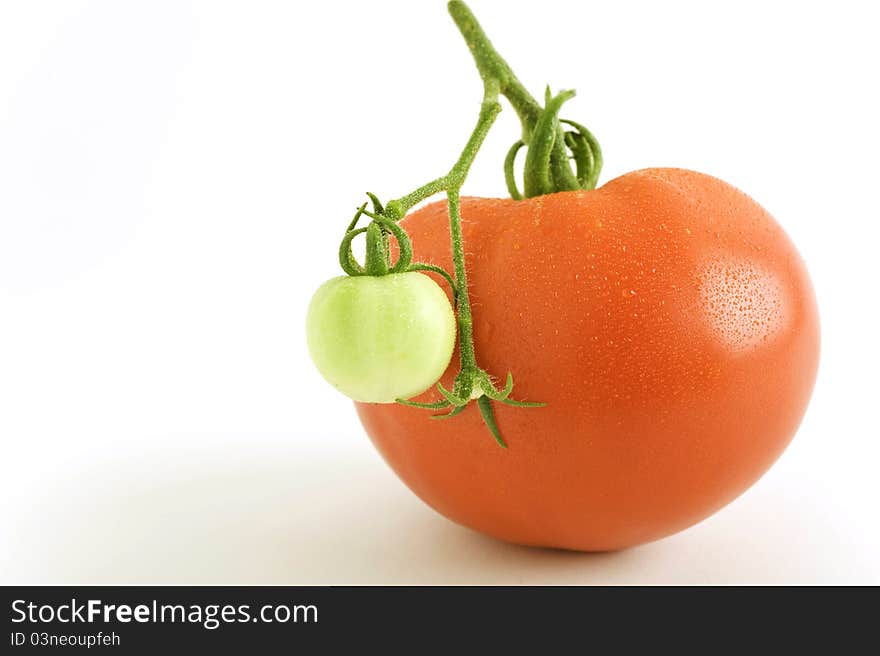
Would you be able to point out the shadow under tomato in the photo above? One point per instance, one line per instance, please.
(265, 509)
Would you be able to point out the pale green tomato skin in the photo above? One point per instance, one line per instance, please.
(381, 338)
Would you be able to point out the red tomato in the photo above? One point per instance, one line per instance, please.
(670, 326)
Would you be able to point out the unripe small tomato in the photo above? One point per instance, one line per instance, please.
(381, 338)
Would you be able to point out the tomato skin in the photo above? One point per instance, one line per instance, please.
(669, 324)
(381, 338)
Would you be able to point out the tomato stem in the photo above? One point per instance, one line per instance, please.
(547, 170)
(376, 261)
(465, 318)
(551, 172)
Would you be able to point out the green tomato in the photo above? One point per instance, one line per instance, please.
(381, 338)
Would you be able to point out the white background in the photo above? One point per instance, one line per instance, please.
(174, 180)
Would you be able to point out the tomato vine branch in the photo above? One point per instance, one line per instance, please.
(547, 170)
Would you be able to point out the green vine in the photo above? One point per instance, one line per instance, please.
(547, 170)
